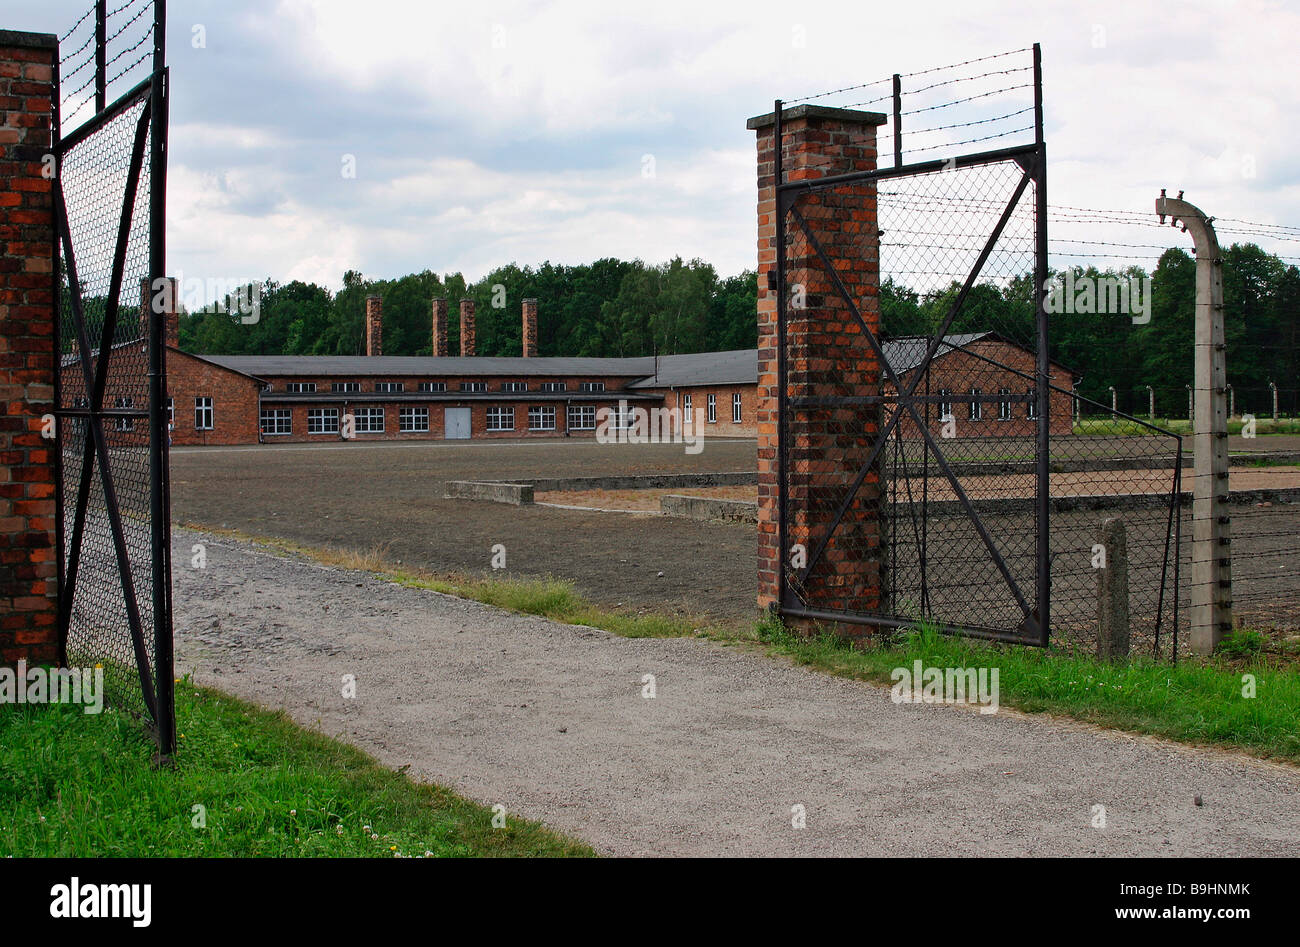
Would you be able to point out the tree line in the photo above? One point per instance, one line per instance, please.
(614, 307)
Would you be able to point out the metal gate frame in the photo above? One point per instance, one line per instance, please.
(152, 648)
(1032, 161)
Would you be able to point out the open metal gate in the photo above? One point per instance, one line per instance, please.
(921, 418)
(113, 510)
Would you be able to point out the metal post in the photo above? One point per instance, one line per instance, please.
(1151, 404)
(1273, 386)
(1211, 562)
(898, 120)
(101, 49)
(160, 500)
(1114, 401)
(1043, 372)
(1191, 403)
(1232, 402)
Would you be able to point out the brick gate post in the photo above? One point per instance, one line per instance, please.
(28, 571)
(826, 354)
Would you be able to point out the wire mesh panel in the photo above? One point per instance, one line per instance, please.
(114, 570)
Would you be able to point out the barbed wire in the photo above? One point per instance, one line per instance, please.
(909, 75)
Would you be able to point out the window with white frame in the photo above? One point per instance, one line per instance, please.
(344, 387)
(171, 412)
(713, 409)
(369, 420)
(976, 408)
(736, 410)
(322, 420)
(514, 386)
(412, 420)
(277, 421)
(592, 386)
(619, 420)
(269, 386)
(945, 404)
(553, 386)
(203, 414)
(124, 424)
(389, 387)
(473, 386)
(1031, 406)
(428, 387)
(300, 387)
(1004, 404)
(582, 417)
(541, 417)
(686, 408)
(500, 419)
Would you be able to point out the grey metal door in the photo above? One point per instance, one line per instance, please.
(456, 424)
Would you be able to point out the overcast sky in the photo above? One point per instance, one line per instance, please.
(491, 132)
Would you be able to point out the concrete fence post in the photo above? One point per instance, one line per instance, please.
(1112, 591)
(1211, 591)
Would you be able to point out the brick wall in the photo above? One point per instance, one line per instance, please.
(234, 401)
(467, 327)
(528, 331)
(723, 426)
(827, 355)
(438, 327)
(374, 325)
(28, 572)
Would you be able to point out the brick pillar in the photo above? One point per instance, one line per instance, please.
(467, 327)
(439, 327)
(826, 355)
(28, 572)
(374, 325)
(529, 334)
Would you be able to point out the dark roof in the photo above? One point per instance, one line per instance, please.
(739, 367)
(906, 352)
(278, 365)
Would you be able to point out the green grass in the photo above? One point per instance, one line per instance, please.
(1105, 426)
(1198, 702)
(75, 784)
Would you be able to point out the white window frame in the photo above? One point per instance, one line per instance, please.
(410, 419)
(554, 386)
(686, 408)
(389, 387)
(270, 418)
(473, 386)
(582, 417)
(1004, 404)
(514, 386)
(322, 420)
(430, 387)
(945, 406)
(123, 424)
(737, 408)
(1031, 406)
(364, 419)
(712, 403)
(591, 386)
(976, 406)
(301, 387)
(204, 406)
(345, 387)
(541, 417)
(497, 415)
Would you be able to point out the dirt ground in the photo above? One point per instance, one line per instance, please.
(363, 496)
(641, 501)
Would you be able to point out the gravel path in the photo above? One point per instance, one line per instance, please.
(549, 720)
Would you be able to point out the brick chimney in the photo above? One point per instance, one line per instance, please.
(374, 325)
(439, 328)
(165, 301)
(467, 327)
(530, 328)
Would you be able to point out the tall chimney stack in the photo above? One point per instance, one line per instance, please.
(467, 327)
(439, 329)
(374, 325)
(530, 328)
(167, 309)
